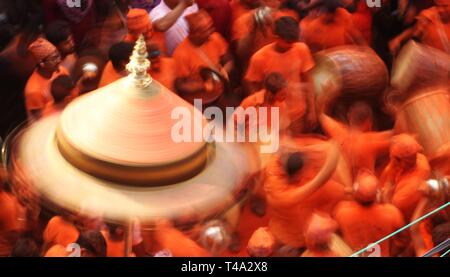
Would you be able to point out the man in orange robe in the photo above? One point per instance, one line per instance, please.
(432, 28)
(334, 27)
(406, 171)
(202, 49)
(119, 55)
(37, 89)
(162, 68)
(294, 193)
(364, 221)
(360, 145)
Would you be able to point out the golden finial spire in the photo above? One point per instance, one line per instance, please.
(139, 64)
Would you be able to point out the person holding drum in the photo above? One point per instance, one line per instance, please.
(202, 60)
(432, 28)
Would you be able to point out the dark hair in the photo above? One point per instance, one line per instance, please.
(331, 5)
(274, 82)
(119, 53)
(287, 28)
(94, 242)
(294, 163)
(25, 247)
(61, 87)
(57, 32)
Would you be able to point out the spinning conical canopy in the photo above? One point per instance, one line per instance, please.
(123, 132)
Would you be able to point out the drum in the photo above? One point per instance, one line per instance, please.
(419, 66)
(427, 116)
(350, 72)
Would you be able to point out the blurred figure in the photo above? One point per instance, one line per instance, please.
(261, 244)
(432, 28)
(203, 48)
(360, 145)
(63, 91)
(291, 59)
(60, 230)
(241, 7)
(319, 237)
(37, 93)
(115, 240)
(92, 244)
(404, 174)
(334, 27)
(60, 35)
(162, 69)
(220, 12)
(12, 217)
(364, 221)
(293, 193)
(25, 248)
(168, 17)
(119, 57)
(139, 24)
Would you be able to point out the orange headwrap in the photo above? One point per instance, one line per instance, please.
(404, 146)
(42, 49)
(367, 186)
(198, 20)
(319, 230)
(261, 244)
(139, 23)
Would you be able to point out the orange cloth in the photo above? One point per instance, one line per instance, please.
(60, 231)
(290, 64)
(432, 23)
(320, 35)
(139, 23)
(114, 248)
(237, 9)
(406, 194)
(37, 90)
(188, 61)
(109, 75)
(289, 221)
(12, 219)
(363, 225)
(360, 149)
(244, 25)
(178, 243)
(42, 49)
(166, 74)
(362, 20)
(56, 251)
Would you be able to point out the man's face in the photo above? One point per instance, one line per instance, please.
(202, 31)
(68, 46)
(52, 62)
(405, 163)
(443, 7)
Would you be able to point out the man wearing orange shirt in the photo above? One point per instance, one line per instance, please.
(406, 171)
(203, 48)
(37, 93)
(60, 230)
(294, 193)
(119, 57)
(364, 221)
(162, 69)
(432, 28)
(361, 146)
(291, 59)
(333, 27)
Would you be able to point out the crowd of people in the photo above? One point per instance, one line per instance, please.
(255, 53)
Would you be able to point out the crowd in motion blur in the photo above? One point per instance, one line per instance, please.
(364, 101)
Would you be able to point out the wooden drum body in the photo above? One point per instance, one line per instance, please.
(427, 116)
(352, 72)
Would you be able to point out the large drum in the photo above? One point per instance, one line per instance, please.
(352, 72)
(428, 116)
(419, 66)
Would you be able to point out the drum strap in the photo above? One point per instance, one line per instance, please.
(444, 39)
